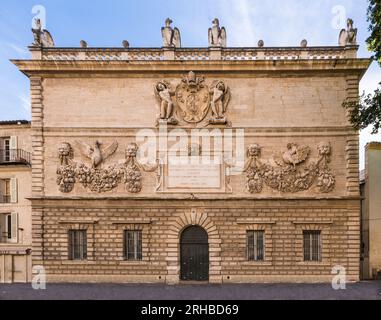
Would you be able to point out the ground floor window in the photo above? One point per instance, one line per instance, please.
(133, 245)
(77, 245)
(312, 247)
(255, 245)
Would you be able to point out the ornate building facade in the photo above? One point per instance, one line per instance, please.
(173, 164)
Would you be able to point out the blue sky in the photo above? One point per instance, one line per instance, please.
(107, 23)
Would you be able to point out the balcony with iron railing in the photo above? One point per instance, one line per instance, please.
(15, 156)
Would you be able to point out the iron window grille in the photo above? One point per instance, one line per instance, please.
(77, 245)
(133, 245)
(255, 245)
(312, 245)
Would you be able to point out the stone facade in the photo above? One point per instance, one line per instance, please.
(15, 249)
(90, 105)
(370, 213)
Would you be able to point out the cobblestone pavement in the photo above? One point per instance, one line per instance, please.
(364, 290)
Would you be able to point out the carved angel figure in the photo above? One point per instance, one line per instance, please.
(171, 37)
(97, 154)
(65, 153)
(42, 37)
(164, 94)
(217, 35)
(324, 151)
(220, 99)
(349, 36)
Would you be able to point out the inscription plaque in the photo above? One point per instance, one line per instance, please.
(194, 176)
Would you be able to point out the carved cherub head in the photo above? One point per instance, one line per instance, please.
(132, 150)
(220, 86)
(65, 150)
(254, 150)
(324, 149)
(161, 86)
(65, 153)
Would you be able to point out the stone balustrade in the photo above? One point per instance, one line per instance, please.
(193, 54)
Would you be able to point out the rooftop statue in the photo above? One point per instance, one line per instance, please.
(349, 36)
(83, 44)
(217, 35)
(42, 37)
(171, 37)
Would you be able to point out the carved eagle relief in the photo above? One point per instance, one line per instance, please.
(97, 154)
(293, 156)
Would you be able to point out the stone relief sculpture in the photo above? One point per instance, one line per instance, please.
(42, 37)
(65, 154)
(349, 36)
(164, 93)
(132, 169)
(217, 35)
(284, 174)
(192, 97)
(96, 154)
(100, 179)
(294, 155)
(220, 94)
(192, 101)
(66, 172)
(171, 37)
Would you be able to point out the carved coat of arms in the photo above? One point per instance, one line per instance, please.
(193, 99)
(193, 102)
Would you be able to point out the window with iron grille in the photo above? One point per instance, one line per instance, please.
(133, 245)
(255, 245)
(312, 246)
(77, 245)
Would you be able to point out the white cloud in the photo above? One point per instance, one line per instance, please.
(20, 50)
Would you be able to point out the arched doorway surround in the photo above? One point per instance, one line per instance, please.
(193, 217)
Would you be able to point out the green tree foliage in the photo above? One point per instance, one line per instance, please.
(374, 18)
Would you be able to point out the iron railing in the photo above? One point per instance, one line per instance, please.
(15, 156)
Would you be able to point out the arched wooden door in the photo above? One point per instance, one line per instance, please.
(194, 254)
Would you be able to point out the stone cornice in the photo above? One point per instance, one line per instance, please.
(188, 200)
(52, 67)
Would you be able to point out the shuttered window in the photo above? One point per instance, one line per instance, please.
(312, 245)
(9, 228)
(5, 190)
(255, 245)
(133, 245)
(77, 245)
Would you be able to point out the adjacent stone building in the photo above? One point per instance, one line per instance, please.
(370, 212)
(267, 186)
(15, 209)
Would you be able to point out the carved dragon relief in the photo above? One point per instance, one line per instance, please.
(99, 179)
(192, 101)
(283, 173)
